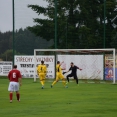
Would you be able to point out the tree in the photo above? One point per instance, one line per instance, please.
(80, 23)
(5, 41)
(26, 42)
(114, 40)
(8, 55)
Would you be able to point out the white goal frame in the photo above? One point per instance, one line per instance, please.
(79, 51)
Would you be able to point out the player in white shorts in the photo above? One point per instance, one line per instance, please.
(15, 81)
(13, 86)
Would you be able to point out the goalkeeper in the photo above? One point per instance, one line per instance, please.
(41, 71)
(73, 73)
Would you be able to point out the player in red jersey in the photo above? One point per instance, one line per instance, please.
(15, 80)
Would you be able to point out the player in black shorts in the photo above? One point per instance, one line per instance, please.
(73, 73)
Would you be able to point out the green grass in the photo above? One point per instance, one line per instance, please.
(85, 100)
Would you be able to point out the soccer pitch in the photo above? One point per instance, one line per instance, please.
(85, 100)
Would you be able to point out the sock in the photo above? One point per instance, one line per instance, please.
(42, 83)
(64, 82)
(77, 81)
(11, 96)
(67, 79)
(18, 96)
(54, 82)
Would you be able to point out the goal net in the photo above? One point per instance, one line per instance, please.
(97, 64)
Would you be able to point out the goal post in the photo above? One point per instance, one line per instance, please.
(97, 64)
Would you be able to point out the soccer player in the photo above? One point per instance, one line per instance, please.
(41, 71)
(15, 80)
(59, 75)
(73, 73)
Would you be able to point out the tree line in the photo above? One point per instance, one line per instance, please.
(24, 43)
(81, 24)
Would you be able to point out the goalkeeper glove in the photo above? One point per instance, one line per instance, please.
(64, 73)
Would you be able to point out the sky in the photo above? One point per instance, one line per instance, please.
(23, 15)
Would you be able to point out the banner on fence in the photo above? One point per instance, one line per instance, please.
(5, 67)
(26, 65)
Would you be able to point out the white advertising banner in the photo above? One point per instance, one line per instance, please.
(91, 65)
(5, 67)
(26, 65)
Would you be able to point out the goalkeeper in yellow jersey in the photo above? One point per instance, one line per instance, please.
(41, 71)
(59, 75)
